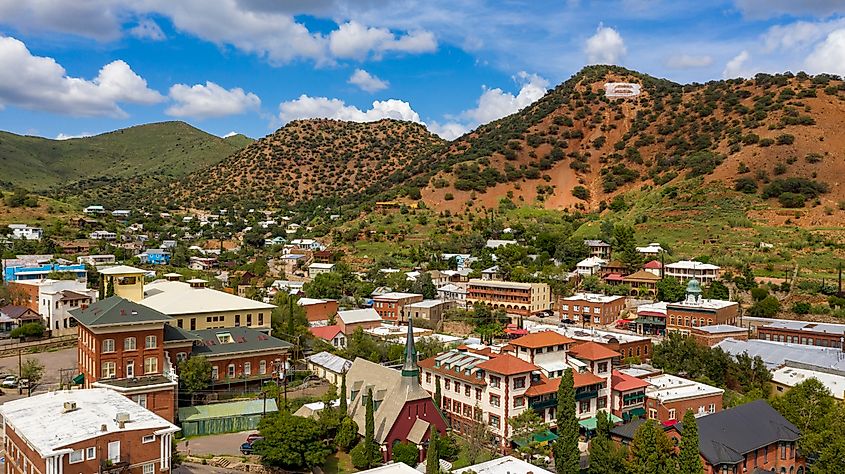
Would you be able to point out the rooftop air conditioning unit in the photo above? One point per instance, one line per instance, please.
(122, 417)
(69, 406)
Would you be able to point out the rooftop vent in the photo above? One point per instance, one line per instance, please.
(122, 418)
(104, 428)
(69, 406)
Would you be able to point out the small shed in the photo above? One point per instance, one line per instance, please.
(227, 417)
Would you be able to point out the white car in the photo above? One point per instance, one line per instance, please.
(11, 381)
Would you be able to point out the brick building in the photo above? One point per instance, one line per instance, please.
(590, 309)
(430, 310)
(627, 396)
(798, 332)
(696, 311)
(239, 355)
(87, 431)
(711, 335)
(668, 397)
(390, 305)
(523, 299)
(350, 320)
(54, 299)
(318, 309)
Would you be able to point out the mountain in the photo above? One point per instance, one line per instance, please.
(315, 160)
(167, 149)
(577, 148)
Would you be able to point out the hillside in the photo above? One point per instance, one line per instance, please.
(316, 161)
(168, 149)
(576, 148)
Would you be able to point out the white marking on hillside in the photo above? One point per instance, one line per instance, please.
(621, 89)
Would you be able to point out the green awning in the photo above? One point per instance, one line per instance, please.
(543, 437)
(637, 412)
(590, 423)
(79, 379)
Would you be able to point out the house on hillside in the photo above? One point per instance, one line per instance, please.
(25, 232)
(598, 248)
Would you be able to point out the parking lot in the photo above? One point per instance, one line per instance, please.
(52, 361)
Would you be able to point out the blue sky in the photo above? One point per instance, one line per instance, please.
(250, 66)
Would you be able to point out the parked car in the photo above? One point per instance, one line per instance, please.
(11, 381)
(253, 438)
(568, 321)
(246, 449)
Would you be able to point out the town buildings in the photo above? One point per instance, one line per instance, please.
(328, 366)
(390, 305)
(628, 396)
(523, 299)
(668, 397)
(317, 310)
(429, 310)
(13, 316)
(590, 266)
(239, 355)
(798, 332)
(25, 232)
(690, 269)
(598, 248)
(711, 335)
(643, 282)
(54, 299)
(453, 292)
(332, 334)
(38, 267)
(696, 311)
(350, 320)
(127, 282)
(589, 309)
(87, 431)
(794, 373)
(317, 268)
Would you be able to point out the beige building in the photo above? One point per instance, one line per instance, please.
(431, 310)
(128, 282)
(513, 297)
(196, 307)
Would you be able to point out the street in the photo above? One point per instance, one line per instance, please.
(53, 361)
(223, 444)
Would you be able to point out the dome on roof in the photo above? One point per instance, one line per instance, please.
(693, 286)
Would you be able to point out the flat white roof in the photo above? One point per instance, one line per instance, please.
(395, 468)
(792, 376)
(500, 284)
(427, 304)
(692, 265)
(396, 295)
(358, 315)
(591, 262)
(309, 301)
(176, 297)
(721, 328)
(120, 270)
(503, 465)
(704, 303)
(41, 422)
(807, 326)
(324, 266)
(593, 298)
(666, 388)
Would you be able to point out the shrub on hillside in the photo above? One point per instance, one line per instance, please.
(791, 200)
(746, 185)
(581, 193)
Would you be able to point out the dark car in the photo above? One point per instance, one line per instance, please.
(568, 321)
(246, 449)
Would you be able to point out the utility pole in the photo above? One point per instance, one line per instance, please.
(277, 366)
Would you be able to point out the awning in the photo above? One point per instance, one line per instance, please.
(590, 423)
(542, 438)
(628, 415)
(79, 379)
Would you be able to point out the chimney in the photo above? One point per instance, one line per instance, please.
(69, 406)
(122, 418)
(103, 428)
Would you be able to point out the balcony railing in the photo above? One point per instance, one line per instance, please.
(633, 397)
(586, 394)
(543, 404)
(119, 466)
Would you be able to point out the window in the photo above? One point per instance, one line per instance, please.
(193, 324)
(249, 320)
(179, 322)
(108, 345)
(129, 344)
(783, 450)
(230, 371)
(447, 383)
(237, 320)
(495, 382)
(466, 390)
(90, 453)
(215, 374)
(495, 400)
(602, 402)
(519, 382)
(247, 368)
(150, 342)
(652, 414)
(711, 408)
(457, 387)
(130, 369)
(108, 370)
(494, 421)
(262, 367)
(671, 413)
(478, 394)
(565, 307)
(151, 365)
(261, 319)
(78, 455)
(603, 367)
(149, 468)
(140, 399)
(518, 402)
(447, 404)
(148, 438)
(583, 406)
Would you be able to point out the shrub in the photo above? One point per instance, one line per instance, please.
(759, 294)
(806, 187)
(780, 169)
(29, 330)
(791, 200)
(746, 185)
(767, 142)
(813, 158)
(407, 453)
(785, 139)
(581, 193)
(449, 196)
(801, 307)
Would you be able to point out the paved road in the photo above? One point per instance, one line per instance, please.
(222, 444)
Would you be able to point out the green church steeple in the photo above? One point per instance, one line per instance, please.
(409, 365)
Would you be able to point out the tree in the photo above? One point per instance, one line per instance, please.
(671, 290)
(432, 458)
(424, 286)
(689, 460)
(809, 406)
(407, 453)
(525, 428)
(717, 291)
(765, 308)
(110, 287)
(567, 455)
(342, 406)
(28, 330)
(194, 375)
(32, 370)
(325, 285)
(605, 456)
(438, 396)
(651, 450)
(102, 289)
(291, 442)
(347, 434)
(625, 246)
(371, 449)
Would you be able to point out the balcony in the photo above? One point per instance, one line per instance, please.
(633, 397)
(120, 466)
(586, 394)
(543, 404)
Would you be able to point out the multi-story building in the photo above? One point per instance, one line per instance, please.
(752, 437)
(627, 396)
(38, 267)
(590, 309)
(95, 260)
(627, 345)
(239, 355)
(317, 310)
(87, 431)
(127, 282)
(545, 349)
(590, 266)
(317, 268)
(711, 335)
(390, 305)
(453, 292)
(54, 299)
(598, 248)
(350, 320)
(798, 332)
(696, 311)
(668, 397)
(430, 310)
(690, 269)
(643, 282)
(25, 232)
(523, 299)
(196, 307)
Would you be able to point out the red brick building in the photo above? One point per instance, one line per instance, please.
(240, 355)
(318, 310)
(696, 311)
(589, 309)
(798, 332)
(711, 335)
(86, 431)
(668, 397)
(389, 305)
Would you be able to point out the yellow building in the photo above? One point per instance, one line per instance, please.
(128, 282)
(513, 297)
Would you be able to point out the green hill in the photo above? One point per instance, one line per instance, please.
(164, 150)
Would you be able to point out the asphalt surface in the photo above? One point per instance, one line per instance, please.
(52, 361)
(228, 444)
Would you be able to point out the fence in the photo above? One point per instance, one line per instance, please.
(12, 348)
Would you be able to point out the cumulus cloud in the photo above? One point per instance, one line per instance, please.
(605, 47)
(89, 19)
(367, 82)
(353, 40)
(688, 61)
(449, 130)
(230, 134)
(799, 34)
(322, 107)
(147, 29)
(62, 136)
(210, 100)
(736, 67)
(40, 83)
(829, 55)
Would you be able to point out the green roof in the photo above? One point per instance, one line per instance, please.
(234, 340)
(224, 410)
(175, 333)
(543, 437)
(590, 423)
(115, 310)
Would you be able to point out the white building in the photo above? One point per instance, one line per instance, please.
(103, 235)
(25, 232)
(317, 268)
(56, 298)
(688, 269)
(669, 389)
(496, 243)
(95, 260)
(123, 213)
(307, 244)
(453, 292)
(94, 210)
(502, 465)
(794, 373)
(590, 266)
(651, 250)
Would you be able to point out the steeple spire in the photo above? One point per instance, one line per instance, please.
(409, 365)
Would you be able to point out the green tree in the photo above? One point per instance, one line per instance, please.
(325, 285)
(525, 428)
(194, 375)
(438, 394)
(766, 308)
(811, 408)
(689, 460)
(407, 453)
(291, 442)
(110, 287)
(32, 370)
(28, 330)
(605, 456)
(424, 286)
(101, 293)
(671, 290)
(432, 458)
(371, 448)
(717, 291)
(347, 434)
(342, 406)
(625, 246)
(567, 455)
(651, 450)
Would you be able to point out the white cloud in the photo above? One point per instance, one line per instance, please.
(448, 130)
(231, 134)
(688, 61)
(147, 29)
(89, 19)
(605, 47)
(829, 55)
(355, 41)
(367, 82)
(37, 82)
(62, 136)
(210, 100)
(773, 8)
(736, 67)
(322, 107)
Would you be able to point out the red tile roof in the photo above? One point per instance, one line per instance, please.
(613, 277)
(653, 265)
(325, 332)
(547, 385)
(582, 379)
(623, 382)
(593, 351)
(507, 364)
(541, 339)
